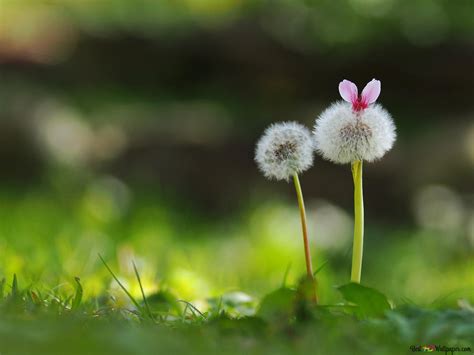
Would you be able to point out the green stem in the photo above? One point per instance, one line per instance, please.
(358, 246)
(307, 254)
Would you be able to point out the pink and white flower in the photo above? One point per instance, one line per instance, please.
(360, 130)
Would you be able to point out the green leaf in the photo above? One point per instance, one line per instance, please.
(278, 305)
(369, 301)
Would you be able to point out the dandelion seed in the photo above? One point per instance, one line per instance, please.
(285, 149)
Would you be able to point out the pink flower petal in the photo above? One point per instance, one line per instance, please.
(348, 91)
(371, 91)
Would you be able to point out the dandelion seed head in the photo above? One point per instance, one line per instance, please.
(343, 135)
(284, 149)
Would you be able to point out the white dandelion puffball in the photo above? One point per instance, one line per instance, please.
(345, 133)
(284, 149)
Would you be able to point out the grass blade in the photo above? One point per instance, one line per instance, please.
(145, 301)
(134, 301)
(320, 268)
(15, 290)
(78, 296)
(285, 276)
(193, 308)
(2, 288)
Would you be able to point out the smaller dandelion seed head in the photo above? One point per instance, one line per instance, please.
(284, 149)
(343, 135)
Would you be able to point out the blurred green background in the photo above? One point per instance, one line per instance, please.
(127, 128)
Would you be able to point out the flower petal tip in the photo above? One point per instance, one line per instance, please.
(371, 91)
(348, 91)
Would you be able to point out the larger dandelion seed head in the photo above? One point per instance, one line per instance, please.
(356, 129)
(283, 150)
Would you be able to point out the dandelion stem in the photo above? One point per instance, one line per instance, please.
(307, 254)
(358, 246)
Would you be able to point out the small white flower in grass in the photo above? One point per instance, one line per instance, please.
(285, 149)
(345, 133)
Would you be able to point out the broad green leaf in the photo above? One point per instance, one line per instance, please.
(369, 301)
(278, 305)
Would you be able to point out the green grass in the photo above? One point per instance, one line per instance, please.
(172, 281)
(283, 322)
